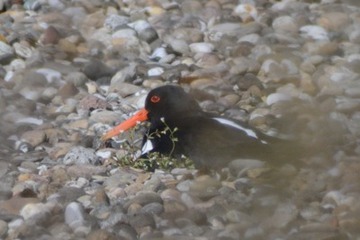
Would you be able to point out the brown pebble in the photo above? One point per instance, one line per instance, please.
(50, 36)
(68, 90)
(100, 234)
(34, 137)
(15, 204)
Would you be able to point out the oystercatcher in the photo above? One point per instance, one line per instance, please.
(178, 126)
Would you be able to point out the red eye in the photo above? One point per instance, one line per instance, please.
(155, 99)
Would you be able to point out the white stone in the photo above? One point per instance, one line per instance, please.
(124, 33)
(22, 50)
(251, 38)
(103, 154)
(74, 215)
(315, 32)
(50, 74)
(277, 97)
(5, 49)
(30, 120)
(17, 64)
(139, 25)
(158, 53)
(246, 12)
(32, 209)
(113, 21)
(201, 47)
(156, 71)
(285, 24)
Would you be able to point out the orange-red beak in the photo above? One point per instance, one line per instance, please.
(140, 116)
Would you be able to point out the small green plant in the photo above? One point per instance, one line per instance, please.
(159, 161)
(165, 131)
(154, 160)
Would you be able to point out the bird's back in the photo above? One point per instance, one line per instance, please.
(212, 143)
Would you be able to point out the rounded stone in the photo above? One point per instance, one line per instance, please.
(205, 187)
(74, 215)
(285, 24)
(3, 228)
(201, 47)
(80, 155)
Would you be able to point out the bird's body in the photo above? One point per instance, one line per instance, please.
(205, 140)
(178, 126)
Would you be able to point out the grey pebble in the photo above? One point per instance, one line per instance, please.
(80, 155)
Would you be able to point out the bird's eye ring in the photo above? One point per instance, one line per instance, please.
(155, 99)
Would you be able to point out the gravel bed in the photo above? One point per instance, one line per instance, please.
(70, 70)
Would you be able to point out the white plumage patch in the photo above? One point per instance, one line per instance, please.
(230, 123)
(147, 147)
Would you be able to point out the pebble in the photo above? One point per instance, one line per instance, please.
(156, 71)
(32, 210)
(285, 24)
(5, 50)
(34, 137)
(239, 166)
(3, 228)
(79, 156)
(68, 90)
(314, 32)
(23, 49)
(104, 116)
(50, 36)
(124, 89)
(96, 69)
(74, 216)
(145, 31)
(85, 170)
(145, 198)
(246, 12)
(334, 21)
(15, 204)
(283, 215)
(201, 47)
(115, 21)
(204, 187)
(277, 97)
(177, 45)
(3, 168)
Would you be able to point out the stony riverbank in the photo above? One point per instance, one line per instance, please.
(69, 70)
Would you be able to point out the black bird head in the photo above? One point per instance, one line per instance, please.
(170, 102)
(165, 102)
